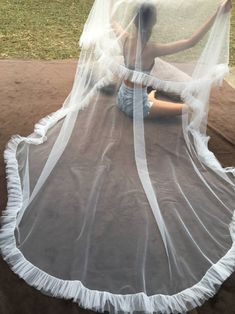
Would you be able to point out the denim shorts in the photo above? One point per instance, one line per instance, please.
(125, 100)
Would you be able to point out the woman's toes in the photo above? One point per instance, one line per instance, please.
(151, 95)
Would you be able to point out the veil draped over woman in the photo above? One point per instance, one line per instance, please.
(114, 209)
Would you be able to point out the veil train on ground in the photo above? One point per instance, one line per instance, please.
(115, 200)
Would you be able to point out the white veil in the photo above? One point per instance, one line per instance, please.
(128, 213)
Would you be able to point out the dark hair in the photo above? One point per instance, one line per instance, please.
(145, 19)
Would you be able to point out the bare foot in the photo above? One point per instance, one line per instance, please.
(151, 95)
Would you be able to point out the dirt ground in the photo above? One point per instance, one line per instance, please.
(29, 90)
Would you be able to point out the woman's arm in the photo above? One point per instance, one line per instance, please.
(117, 28)
(119, 31)
(171, 48)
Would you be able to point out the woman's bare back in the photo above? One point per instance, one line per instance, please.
(130, 51)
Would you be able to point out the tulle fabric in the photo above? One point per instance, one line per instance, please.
(128, 215)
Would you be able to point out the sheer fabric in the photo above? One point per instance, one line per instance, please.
(128, 213)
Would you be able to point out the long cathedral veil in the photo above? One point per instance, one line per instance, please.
(128, 213)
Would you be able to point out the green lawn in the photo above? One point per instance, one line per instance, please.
(33, 29)
(41, 29)
(232, 37)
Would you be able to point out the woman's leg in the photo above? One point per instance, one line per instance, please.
(162, 108)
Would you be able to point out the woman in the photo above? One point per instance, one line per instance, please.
(144, 21)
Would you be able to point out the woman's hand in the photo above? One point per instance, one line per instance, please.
(225, 6)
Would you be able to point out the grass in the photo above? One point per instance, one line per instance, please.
(40, 29)
(232, 37)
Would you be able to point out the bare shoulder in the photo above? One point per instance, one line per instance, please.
(154, 50)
